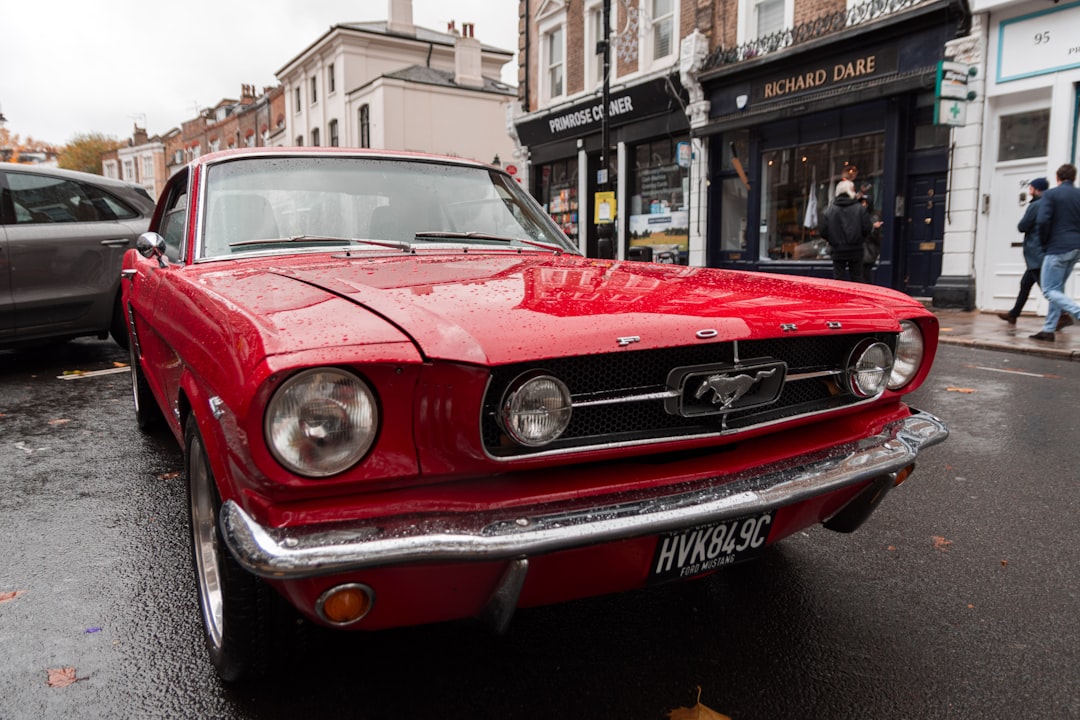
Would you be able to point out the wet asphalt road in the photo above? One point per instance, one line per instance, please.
(960, 598)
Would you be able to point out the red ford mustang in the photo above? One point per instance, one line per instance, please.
(405, 398)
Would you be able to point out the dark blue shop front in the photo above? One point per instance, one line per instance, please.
(853, 104)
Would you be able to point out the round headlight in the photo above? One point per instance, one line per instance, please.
(869, 368)
(536, 409)
(909, 355)
(321, 422)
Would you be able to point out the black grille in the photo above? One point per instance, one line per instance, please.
(646, 371)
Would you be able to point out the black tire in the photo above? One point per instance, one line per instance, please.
(236, 606)
(147, 413)
(118, 327)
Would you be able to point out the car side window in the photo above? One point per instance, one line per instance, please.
(173, 223)
(45, 199)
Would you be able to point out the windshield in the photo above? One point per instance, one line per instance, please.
(281, 204)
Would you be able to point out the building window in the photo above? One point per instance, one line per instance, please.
(333, 132)
(298, 102)
(365, 126)
(315, 137)
(331, 83)
(659, 219)
(129, 171)
(594, 58)
(761, 18)
(148, 167)
(553, 45)
(314, 89)
(1023, 135)
(798, 183)
(663, 28)
(299, 141)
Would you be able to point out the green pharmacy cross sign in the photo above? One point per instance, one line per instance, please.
(951, 93)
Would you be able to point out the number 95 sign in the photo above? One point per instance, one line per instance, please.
(1040, 43)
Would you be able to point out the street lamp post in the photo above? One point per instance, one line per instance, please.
(605, 244)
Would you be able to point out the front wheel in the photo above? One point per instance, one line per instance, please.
(235, 604)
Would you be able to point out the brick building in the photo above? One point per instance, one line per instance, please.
(729, 123)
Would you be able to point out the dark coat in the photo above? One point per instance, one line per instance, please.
(1033, 249)
(846, 226)
(1059, 219)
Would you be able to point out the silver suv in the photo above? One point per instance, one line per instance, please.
(63, 235)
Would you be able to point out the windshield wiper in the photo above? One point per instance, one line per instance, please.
(435, 234)
(396, 244)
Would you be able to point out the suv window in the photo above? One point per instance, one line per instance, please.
(46, 199)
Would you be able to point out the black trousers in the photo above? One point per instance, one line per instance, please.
(1027, 281)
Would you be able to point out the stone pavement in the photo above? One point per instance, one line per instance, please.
(987, 331)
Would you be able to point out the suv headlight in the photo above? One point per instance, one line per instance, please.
(910, 351)
(321, 422)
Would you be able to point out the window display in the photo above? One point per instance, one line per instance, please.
(559, 194)
(798, 184)
(659, 217)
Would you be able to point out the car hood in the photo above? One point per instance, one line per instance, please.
(497, 308)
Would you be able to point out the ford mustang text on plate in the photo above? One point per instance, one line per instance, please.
(404, 397)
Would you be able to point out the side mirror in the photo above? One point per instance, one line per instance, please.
(151, 245)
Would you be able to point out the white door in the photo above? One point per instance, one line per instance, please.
(1004, 252)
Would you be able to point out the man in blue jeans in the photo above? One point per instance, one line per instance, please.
(1059, 230)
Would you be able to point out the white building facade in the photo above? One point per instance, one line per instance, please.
(1028, 56)
(393, 85)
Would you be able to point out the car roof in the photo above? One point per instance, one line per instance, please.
(67, 174)
(377, 154)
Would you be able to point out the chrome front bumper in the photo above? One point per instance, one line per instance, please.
(293, 553)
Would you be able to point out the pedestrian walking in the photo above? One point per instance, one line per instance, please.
(872, 249)
(1033, 249)
(846, 227)
(1059, 229)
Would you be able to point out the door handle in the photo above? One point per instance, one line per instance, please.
(117, 242)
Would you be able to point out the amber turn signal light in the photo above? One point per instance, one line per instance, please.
(902, 475)
(345, 604)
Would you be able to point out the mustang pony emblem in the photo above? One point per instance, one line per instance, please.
(727, 389)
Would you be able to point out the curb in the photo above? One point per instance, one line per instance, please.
(1072, 355)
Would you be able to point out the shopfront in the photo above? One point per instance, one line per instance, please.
(854, 104)
(647, 171)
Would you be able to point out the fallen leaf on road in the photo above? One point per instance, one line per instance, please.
(169, 475)
(62, 677)
(59, 421)
(1004, 563)
(698, 712)
(5, 596)
(119, 364)
(966, 391)
(941, 543)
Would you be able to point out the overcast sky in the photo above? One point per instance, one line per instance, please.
(69, 68)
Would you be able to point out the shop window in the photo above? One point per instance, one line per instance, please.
(659, 217)
(797, 185)
(1023, 135)
(559, 194)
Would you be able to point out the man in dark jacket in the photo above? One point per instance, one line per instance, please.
(1059, 230)
(1033, 249)
(846, 226)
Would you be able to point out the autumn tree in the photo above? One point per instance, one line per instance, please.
(12, 147)
(85, 150)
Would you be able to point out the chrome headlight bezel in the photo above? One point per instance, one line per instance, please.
(535, 409)
(910, 354)
(868, 368)
(321, 422)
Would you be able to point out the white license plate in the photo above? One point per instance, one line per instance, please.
(706, 548)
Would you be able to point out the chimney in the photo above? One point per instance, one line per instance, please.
(467, 58)
(399, 14)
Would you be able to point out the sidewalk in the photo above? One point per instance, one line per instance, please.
(987, 331)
